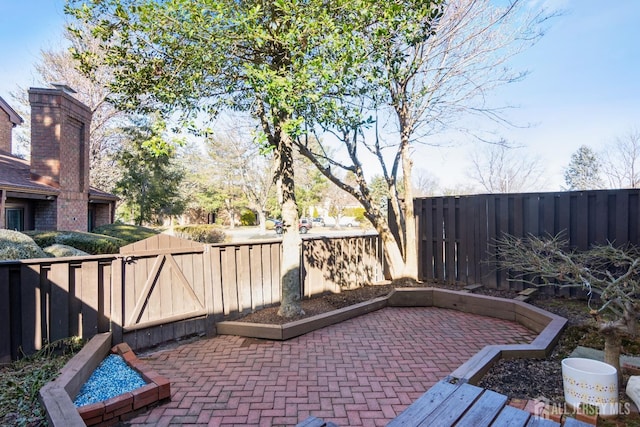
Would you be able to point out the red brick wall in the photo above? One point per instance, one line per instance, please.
(73, 211)
(103, 214)
(5, 131)
(60, 152)
(46, 215)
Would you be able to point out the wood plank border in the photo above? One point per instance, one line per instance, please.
(548, 325)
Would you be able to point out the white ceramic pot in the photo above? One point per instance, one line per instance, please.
(592, 382)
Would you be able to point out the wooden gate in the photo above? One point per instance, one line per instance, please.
(163, 289)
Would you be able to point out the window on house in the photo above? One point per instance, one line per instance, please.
(14, 219)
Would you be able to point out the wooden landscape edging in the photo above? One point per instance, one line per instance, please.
(298, 327)
(57, 396)
(547, 325)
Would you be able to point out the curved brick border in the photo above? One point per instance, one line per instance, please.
(57, 396)
(547, 325)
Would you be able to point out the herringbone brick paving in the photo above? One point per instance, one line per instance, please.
(361, 372)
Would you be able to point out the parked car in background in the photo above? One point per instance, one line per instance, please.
(273, 223)
(348, 221)
(345, 221)
(318, 221)
(304, 225)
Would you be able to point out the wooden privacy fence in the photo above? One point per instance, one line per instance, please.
(164, 288)
(456, 235)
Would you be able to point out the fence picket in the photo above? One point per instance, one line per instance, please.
(49, 299)
(584, 218)
(5, 316)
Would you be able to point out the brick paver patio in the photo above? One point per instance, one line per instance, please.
(361, 372)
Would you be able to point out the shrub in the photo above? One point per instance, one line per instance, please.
(16, 245)
(248, 218)
(357, 213)
(21, 382)
(270, 224)
(57, 250)
(204, 233)
(43, 238)
(91, 243)
(128, 233)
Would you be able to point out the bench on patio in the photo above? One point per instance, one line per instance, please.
(462, 404)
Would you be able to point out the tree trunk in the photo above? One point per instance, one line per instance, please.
(394, 202)
(230, 214)
(410, 243)
(262, 221)
(612, 344)
(392, 254)
(290, 304)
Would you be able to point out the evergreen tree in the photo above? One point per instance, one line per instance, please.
(150, 182)
(583, 172)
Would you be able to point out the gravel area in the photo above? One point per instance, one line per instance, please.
(111, 378)
(542, 378)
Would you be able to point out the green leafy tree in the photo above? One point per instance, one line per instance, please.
(311, 187)
(199, 191)
(227, 174)
(242, 171)
(583, 171)
(300, 66)
(379, 193)
(185, 57)
(150, 182)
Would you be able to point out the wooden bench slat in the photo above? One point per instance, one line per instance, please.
(453, 407)
(486, 408)
(511, 417)
(541, 422)
(425, 404)
(572, 422)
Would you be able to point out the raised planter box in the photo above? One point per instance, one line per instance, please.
(57, 396)
(299, 327)
(547, 325)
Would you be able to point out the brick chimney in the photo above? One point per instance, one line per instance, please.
(60, 151)
(8, 120)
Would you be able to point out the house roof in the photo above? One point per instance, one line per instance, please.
(15, 176)
(99, 195)
(13, 116)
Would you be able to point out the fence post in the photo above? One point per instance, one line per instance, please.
(117, 298)
(31, 308)
(207, 265)
(5, 315)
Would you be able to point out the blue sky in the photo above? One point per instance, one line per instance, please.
(26, 26)
(584, 86)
